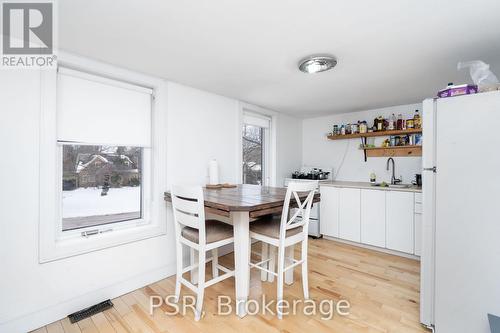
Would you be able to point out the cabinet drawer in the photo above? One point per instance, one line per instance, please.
(418, 208)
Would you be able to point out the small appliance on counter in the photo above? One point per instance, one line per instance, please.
(308, 174)
(311, 173)
(418, 179)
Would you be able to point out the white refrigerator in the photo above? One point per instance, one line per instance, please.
(460, 261)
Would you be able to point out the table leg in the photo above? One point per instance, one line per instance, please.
(241, 254)
(289, 273)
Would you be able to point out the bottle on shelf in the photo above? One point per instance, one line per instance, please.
(392, 123)
(417, 121)
(399, 123)
(380, 123)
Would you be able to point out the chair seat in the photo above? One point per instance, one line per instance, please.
(214, 231)
(269, 226)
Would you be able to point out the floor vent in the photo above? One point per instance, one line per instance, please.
(90, 311)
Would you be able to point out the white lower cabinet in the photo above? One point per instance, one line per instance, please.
(382, 218)
(350, 214)
(399, 221)
(418, 234)
(329, 211)
(373, 217)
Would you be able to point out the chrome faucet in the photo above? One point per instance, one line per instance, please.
(394, 180)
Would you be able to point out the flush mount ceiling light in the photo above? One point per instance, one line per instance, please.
(317, 63)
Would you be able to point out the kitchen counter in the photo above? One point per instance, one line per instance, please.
(367, 185)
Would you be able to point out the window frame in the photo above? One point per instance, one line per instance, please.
(269, 142)
(55, 244)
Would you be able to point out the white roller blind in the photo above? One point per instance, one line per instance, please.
(256, 120)
(98, 110)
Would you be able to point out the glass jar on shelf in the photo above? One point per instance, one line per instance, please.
(363, 127)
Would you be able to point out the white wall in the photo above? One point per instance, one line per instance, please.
(201, 126)
(289, 147)
(317, 150)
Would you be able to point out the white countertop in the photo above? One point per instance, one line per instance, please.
(367, 185)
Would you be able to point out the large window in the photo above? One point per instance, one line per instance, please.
(100, 185)
(104, 135)
(102, 157)
(255, 149)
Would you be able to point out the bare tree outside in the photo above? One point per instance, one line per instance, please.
(253, 154)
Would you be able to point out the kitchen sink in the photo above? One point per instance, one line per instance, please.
(400, 185)
(392, 185)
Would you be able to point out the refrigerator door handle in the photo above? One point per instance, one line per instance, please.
(433, 169)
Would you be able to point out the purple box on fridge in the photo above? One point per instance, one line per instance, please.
(451, 90)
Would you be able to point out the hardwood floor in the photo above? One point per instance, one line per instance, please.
(383, 291)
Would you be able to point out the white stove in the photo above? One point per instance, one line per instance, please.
(314, 218)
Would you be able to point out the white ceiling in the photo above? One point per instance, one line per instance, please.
(390, 52)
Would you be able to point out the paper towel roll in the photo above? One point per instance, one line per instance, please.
(213, 172)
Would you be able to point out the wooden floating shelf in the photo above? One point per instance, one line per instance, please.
(384, 151)
(398, 151)
(373, 134)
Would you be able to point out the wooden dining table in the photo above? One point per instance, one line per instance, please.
(240, 206)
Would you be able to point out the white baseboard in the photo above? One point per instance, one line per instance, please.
(59, 311)
(375, 248)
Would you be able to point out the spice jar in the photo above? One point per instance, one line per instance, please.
(336, 130)
(354, 128)
(409, 123)
(363, 127)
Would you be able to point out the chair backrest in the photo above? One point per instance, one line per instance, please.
(300, 217)
(189, 209)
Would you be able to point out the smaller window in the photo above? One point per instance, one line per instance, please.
(255, 149)
(101, 185)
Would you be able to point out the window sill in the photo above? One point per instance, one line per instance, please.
(77, 245)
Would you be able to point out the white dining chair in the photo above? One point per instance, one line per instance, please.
(200, 235)
(285, 231)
